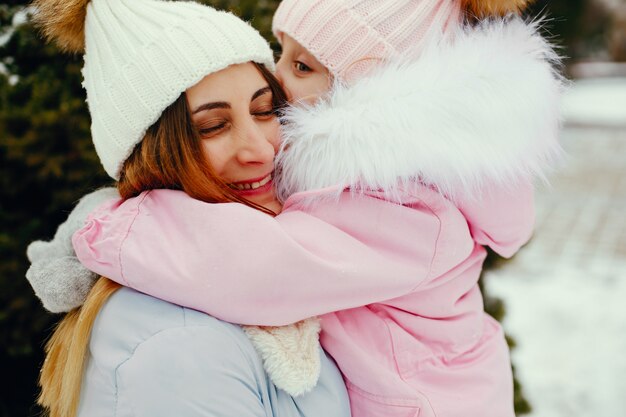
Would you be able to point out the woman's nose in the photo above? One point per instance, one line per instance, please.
(255, 146)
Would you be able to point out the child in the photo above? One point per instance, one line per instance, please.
(362, 136)
(452, 122)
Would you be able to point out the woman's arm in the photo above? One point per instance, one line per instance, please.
(242, 266)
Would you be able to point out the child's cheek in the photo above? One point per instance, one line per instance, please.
(310, 90)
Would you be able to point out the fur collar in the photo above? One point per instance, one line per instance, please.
(483, 108)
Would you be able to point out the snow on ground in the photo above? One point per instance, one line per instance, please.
(571, 332)
(597, 101)
(565, 292)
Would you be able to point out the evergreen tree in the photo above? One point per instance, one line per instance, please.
(47, 161)
(579, 27)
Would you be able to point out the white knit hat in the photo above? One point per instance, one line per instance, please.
(140, 55)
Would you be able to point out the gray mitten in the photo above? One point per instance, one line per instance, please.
(56, 275)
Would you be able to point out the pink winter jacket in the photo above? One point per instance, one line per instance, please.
(396, 284)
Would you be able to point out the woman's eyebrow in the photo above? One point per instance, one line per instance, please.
(225, 105)
(211, 106)
(260, 92)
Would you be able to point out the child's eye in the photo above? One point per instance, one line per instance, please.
(301, 67)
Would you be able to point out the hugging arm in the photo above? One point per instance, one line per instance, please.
(243, 266)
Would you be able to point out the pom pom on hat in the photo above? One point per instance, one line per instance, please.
(62, 22)
(489, 8)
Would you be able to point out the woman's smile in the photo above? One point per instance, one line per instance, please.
(254, 186)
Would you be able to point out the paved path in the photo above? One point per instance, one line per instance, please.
(565, 292)
(581, 216)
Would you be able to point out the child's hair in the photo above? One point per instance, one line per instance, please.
(169, 156)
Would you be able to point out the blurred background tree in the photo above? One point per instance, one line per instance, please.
(588, 30)
(48, 162)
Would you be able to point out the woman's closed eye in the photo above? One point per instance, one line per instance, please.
(211, 127)
(264, 112)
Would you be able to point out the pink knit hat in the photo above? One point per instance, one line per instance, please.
(349, 37)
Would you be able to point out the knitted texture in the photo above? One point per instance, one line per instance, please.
(58, 278)
(140, 55)
(349, 37)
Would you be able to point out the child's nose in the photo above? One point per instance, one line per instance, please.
(280, 76)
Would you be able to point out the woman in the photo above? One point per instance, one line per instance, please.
(160, 78)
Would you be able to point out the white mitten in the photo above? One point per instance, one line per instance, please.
(56, 275)
(291, 354)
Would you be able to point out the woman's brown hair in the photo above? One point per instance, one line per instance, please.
(169, 156)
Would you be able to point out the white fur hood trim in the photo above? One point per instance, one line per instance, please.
(483, 108)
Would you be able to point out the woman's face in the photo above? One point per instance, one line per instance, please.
(301, 75)
(233, 111)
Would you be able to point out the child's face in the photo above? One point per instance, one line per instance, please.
(301, 75)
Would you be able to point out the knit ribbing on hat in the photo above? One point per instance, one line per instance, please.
(349, 37)
(140, 55)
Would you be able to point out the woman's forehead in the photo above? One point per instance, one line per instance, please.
(236, 82)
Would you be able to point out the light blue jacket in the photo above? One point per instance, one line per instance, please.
(150, 358)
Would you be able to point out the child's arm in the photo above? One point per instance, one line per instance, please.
(243, 266)
(502, 218)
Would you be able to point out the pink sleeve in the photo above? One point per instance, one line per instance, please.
(503, 218)
(243, 266)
